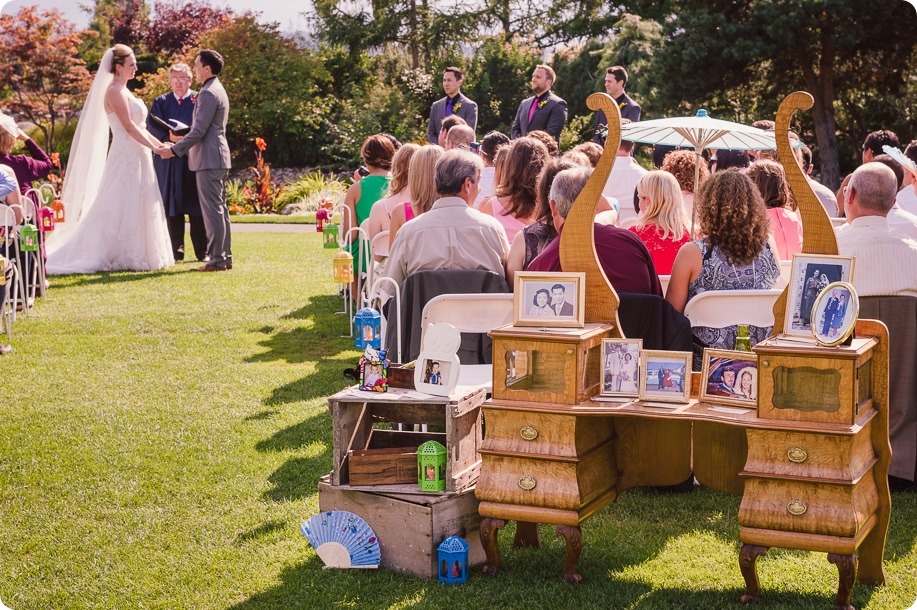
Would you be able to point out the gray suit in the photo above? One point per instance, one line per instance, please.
(468, 111)
(550, 116)
(208, 157)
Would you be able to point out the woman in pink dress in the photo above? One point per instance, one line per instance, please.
(514, 203)
(662, 223)
(422, 186)
(785, 225)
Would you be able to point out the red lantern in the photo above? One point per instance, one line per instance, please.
(45, 220)
(58, 206)
(321, 217)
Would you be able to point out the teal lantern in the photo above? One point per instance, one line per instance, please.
(367, 329)
(330, 235)
(431, 467)
(28, 238)
(452, 557)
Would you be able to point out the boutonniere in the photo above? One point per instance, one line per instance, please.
(543, 103)
(622, 105)
(193, 98)
(456, 106)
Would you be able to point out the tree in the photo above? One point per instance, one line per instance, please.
(177, 25)
(752, 52)
(124, 21)
(45, 78)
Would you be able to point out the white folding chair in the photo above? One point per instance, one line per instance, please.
(837, 222)
(722, 308)
(628, 223)
(10, 296)
(664, 280)
(9, 232)
(470, 313)
(786, 268)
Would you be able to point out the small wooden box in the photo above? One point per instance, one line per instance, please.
(409, 527)
(388, 466)
(549, 365)
(814, 383)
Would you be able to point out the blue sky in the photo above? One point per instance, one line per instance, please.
(285, 12)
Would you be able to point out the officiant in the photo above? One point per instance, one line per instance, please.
(176, 182)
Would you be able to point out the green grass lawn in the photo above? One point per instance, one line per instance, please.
(273, 219)
(163, 434)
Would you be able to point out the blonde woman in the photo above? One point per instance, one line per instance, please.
(398, 193)
(421, 186)
(662, 223)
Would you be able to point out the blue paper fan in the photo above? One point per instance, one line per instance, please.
(342, 540)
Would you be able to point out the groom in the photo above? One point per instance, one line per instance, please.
(208, 157)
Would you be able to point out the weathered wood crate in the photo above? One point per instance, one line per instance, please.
(359, 419)
(387, 466)
(410, 527)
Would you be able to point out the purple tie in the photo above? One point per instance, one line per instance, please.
(533, 109)
(449, 102)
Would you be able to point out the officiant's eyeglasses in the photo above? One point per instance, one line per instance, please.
(181, 77)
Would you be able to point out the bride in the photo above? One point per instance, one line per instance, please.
(115, 219)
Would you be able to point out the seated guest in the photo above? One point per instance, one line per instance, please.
(907, 194)
(514, 204)
(448, 123)
(897, 218)
(726, 159)
(626, 261)
(578, 158)
(398, 193)
(825, 195)
(545, 138)
(488, 151)
(785, 225)
(886, 259)
(591, 150)
(34, 166)
(460, 136)
(9, 192)
(422, 186)
(452, 235)
(872, 147)
(662, 223)
(734, 255)
(622, 181)
(680, 163)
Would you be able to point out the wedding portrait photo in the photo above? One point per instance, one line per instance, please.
(621, 372)
(834, 313)
(549, 299)
(810, 275)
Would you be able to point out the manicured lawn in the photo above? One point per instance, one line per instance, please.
(273, 219)
(163, 433)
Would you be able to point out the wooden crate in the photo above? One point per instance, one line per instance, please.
(388, 466)
(353, 416)
(410, 527)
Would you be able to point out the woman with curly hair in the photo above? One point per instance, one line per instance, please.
(770, 179)
(514, 203)
(680, 163)
(734, 255)
(662, 223)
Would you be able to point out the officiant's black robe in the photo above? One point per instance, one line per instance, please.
(176, 182)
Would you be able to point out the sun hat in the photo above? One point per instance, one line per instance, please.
(8, 124)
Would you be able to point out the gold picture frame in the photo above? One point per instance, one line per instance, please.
(544, 299)
(621, 367)
(665, 376)
(729, 378)
(804, 287)
(828, 329)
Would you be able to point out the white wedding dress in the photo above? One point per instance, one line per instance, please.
(124, 226)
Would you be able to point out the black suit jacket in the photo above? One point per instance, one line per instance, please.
(629, 110)
(468, 111)
(550, 116)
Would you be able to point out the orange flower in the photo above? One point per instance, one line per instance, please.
(260, 143)
(55, 159)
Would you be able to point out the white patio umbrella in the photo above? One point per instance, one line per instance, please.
(699, 132)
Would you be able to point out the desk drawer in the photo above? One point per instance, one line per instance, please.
(798, 454)
(544, 433)
(812, 508)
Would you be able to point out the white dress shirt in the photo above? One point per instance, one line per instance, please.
(452, 235)
(622, 182)
(825, 196)
(907, 199)
(886, 259)
(485, 187)
(900, 220)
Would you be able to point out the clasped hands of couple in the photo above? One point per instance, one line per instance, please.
(165, 149)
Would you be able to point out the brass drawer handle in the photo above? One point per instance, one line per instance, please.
(797, 455)
(796, 507)
(569, 352)
(528, 433)
(527, 482)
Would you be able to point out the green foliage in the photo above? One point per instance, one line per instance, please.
(577, 130)
(579, 75)
(309, 189)
(633, 46)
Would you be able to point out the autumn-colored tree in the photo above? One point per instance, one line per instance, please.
(122, 21)
(177, 24)
(45, 78)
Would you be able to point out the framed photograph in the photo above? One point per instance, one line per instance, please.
(665, 376)
(373, 375)
(810, 274)
(621, 367)
(549, 299)
(835, 313)
(437, 368)
(730, 378)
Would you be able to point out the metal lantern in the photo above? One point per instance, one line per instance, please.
(343, 267)
(452, 556)
(330, 235)
(28, 238)
(58, 206)
(431, 467)
(45, 220)
(321, 217)
(367, 329)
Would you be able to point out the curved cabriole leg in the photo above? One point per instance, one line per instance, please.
(574, 538)
(748, 555)
(489, 530)
(847, 573)
(527, 535)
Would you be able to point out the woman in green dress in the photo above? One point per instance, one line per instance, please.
(377, 153)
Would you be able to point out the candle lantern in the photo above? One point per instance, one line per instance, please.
(28, 238)
(45, 220)
(431, 467)
(367, 328)
(343, 267)
(58, 206)
(453, 561)
(330, 235)
(321, 217)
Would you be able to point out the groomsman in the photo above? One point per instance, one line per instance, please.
(453, 104)
(544, 111)
(176, 181)
(615, 81)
